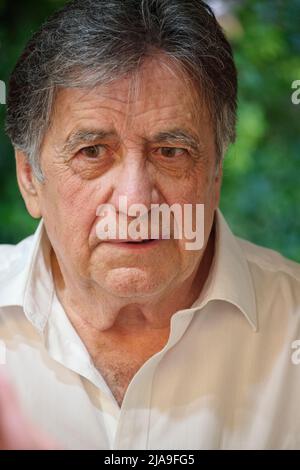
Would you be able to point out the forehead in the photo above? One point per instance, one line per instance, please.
(157, 92)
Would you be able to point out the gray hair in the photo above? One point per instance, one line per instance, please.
(92, 42)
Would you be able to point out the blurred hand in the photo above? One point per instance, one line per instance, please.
(16, 430)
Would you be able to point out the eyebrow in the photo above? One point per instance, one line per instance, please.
(180, 137)
(84, 136)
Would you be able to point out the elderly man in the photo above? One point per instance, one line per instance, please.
(138, 342)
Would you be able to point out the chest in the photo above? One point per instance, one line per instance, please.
(118, 371)
(118, 362)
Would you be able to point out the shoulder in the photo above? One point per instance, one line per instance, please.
(276, 282)
(14, 257)
(269, 261)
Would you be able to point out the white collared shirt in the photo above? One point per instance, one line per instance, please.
(228, 377)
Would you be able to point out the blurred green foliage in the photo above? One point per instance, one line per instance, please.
(261, 190)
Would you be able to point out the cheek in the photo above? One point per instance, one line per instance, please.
(70, 204)
(206, 185)
(201, 188)
(190, 190)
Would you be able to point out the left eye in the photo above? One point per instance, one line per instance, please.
(94, 151)
(171, 152)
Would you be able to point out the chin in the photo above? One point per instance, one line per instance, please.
(132, 282)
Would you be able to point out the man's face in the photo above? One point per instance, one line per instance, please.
(110, 142)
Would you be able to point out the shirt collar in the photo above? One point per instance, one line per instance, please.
(29, 283)
(31, 286)
(229, 278)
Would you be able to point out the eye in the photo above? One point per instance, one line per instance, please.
(172, 152)
(94, 151)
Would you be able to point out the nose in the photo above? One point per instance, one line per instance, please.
(135, 182)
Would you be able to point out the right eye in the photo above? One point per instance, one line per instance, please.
(93, 152)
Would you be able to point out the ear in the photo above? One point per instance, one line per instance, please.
(28, 184)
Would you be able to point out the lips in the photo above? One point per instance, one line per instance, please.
(139, 241)
(132, 241)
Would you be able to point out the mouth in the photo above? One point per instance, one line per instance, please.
(134, 244)
(139, 241)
